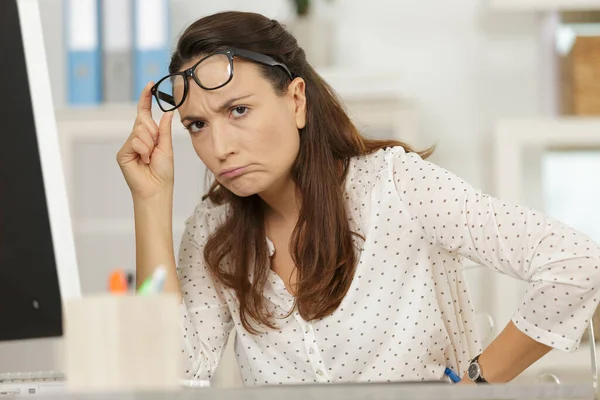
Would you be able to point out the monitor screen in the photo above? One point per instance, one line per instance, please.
(30, 295)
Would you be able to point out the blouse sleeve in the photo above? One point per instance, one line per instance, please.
(205, 317)
(561, 265)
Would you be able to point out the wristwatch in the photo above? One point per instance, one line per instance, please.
(474, 371)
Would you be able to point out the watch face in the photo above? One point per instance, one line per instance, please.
(473, 371)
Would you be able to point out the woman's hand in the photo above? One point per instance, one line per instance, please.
(146, 158)
(466, 381)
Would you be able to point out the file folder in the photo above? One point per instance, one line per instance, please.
(117, 42)
(84, 64)
(151, 38)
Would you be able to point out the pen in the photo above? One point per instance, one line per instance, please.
(117, 282)
(158, 278)
(154, 283)
(453, 377)
(130, 280)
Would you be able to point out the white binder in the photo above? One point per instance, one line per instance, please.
(117, 40)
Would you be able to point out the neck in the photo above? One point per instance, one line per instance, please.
(282, 202)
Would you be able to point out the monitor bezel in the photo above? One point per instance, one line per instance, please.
(49, 149)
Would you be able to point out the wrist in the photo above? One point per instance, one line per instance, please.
(162, 201)
(154, 212)
(475, 372)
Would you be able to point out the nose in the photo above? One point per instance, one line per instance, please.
(224, 143)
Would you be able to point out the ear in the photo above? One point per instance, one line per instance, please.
(296, 92)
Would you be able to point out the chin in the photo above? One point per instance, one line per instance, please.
(243, 193)
(244, 188)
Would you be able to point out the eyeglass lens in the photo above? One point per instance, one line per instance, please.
(211, 73)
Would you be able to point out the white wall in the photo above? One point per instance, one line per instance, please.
(466, 67)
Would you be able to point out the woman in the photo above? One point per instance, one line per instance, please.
(335, 258)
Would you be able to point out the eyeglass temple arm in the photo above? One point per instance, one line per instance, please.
(251, 55)
(165, 97)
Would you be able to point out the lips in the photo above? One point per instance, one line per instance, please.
(233, 172)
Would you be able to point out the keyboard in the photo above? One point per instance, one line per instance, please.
(39, 376)
(31, 383)
(20, 384)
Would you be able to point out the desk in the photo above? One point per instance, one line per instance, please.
(360, 391)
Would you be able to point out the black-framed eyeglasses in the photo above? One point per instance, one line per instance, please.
(210, 73)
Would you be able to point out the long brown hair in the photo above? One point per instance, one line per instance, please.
(321, 244)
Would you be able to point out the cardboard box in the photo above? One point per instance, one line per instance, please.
(580, 78)
(122, 342)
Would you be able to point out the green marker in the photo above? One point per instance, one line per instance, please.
(155, 283)
(146, 287)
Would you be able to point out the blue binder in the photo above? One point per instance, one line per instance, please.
(151, 42)
(84, 55)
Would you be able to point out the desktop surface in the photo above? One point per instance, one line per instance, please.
(379, 391)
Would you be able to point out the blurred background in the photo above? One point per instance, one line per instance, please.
(508, 90)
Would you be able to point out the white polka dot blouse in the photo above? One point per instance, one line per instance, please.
(407, 315)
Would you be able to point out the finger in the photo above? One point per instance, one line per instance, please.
(147, 122)
(145, 102)
(165, 141)
(127, 154)
(146, 138)
(139, 147)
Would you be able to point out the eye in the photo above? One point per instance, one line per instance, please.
(239, 111)
(195, 126)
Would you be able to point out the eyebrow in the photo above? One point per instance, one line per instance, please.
(220, 109)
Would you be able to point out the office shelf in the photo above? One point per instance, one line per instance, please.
(545, 5)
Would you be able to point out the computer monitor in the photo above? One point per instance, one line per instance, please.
(38, 268)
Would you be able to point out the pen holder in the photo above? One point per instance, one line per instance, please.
(122, 342)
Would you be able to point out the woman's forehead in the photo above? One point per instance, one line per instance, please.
(190, 63)
(245, 73)
(237, 61)
(246, 81)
